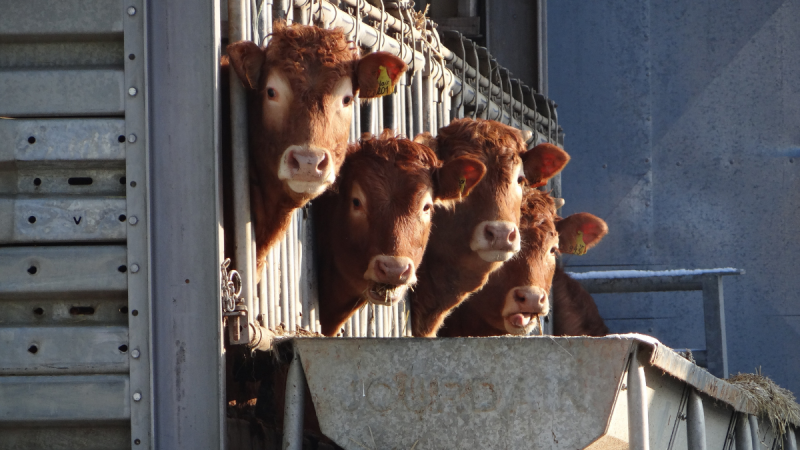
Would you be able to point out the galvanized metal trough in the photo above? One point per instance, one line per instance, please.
(616, 392)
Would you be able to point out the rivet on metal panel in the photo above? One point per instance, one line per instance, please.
(135, 353)
(131, 138)
(137, 441)
(131, 11)
(132, 91)
(137, 396)
(134, 268)
(133, 220)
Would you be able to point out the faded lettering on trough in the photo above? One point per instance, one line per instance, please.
(440, 393)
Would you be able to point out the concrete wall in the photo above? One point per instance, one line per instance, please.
(683, 121)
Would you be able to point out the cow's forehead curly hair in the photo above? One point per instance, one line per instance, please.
(537, 216)
(303, 53)
(489, 141)
(398, 150)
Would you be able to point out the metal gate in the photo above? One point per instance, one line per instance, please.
(74, 305)
(449, 77)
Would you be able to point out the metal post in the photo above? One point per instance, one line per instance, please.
(754, 431)
(243, 227)
(789, 440)
(185, 248)
(696, 422)
(638, 433)
(714, 311)
(743, 437)
(295, 402)
(416, 107)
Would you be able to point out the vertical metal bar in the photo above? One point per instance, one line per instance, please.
(753, 421)
(789, 439)
(295, 403)
(299, 275)
(357, 118)
(417, 105)
(743, 438)
(401, 107)
(696, 422)
(355, 321)
(409, 111)
(271, 292)
(714, 311)
(396, 318)
(291, 240)
(378, 321)
(285, 314)
(638, 433)
(380, 120)
(263, 298)
(182, 144)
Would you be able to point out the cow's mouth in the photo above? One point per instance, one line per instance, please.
(383, 294)
(521, 322)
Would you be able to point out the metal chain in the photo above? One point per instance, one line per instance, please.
(230, 286)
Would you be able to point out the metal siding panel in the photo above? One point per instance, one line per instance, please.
(54, 310)
(63, 350)
(63, 220)
(48, 93)
(66, 437)
(59, 18)
(62, 270)
(64, 398)
(63, 141)
(61, 54)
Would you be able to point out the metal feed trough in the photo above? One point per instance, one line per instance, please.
(616, 392)
(448, 77)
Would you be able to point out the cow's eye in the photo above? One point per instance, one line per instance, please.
(427, 207)
(347, 100)
(553, 250)
(522, 180)
(356, 203)
(271, 93)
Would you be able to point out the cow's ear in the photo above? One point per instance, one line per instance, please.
(456, 178)
(377, 73)
(426, 139)
(542, 163)
(247, 58)
(580, 232)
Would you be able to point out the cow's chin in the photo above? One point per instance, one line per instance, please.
(385, 294)
(308, 188)
(521, 324)
(495, 255)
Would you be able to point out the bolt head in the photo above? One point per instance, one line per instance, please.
(134, 268)
(137, 396)
(131, 138)
(135, 354)
(131, 11)
(132, 91)
(133, 220)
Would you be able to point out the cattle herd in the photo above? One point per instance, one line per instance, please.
(455, 223)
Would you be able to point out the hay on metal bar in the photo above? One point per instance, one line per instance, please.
(776, 404)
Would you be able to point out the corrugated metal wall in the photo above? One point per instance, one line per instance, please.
(682, 120)
(72, 261)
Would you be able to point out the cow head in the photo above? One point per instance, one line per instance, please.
(516, 295)
(580, 232)
(382, 218)
(302, 88)
(483, 228)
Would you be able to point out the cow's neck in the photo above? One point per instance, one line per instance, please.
(466, 321)
(339, 300)
(443, 285)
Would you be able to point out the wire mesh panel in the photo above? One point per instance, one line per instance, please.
(449, 77)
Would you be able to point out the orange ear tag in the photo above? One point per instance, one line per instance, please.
(384, 82)
(580, 246)
(462, 185)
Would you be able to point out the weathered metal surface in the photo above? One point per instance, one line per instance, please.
(40, 220)
(74, 92)
(93, 143)
(98, 437)
(67, 270)
(64, 398)
(63, 350)
(720, 424)
(20, 55)
(59, 18)
(638, 403)
(667, 410)
(464, 393)
(695, 422)
(53, 310)
(55, 181)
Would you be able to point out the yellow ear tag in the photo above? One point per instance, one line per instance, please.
(384, 83)
(580, 246)
(462, 185)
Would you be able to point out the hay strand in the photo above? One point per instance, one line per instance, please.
(776, 404)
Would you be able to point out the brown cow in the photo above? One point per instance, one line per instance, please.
(471, 240)
(517, 293)
(373, 228)
(575, 312)
(300, 92)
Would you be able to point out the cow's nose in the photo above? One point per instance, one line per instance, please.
(500, 235)
(531, 298)
(391, 269)
(308, 164)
